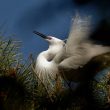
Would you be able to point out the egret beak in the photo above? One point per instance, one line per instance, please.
(41, 35)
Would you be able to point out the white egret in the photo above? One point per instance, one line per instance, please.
(72, 55)
(46, 68)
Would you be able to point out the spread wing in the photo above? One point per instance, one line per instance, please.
(80, 30)
(79, 49)
(71, 55)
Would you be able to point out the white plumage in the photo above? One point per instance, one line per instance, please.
(73, 54)
(46, 68)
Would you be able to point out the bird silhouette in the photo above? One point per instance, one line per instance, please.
(67, 57)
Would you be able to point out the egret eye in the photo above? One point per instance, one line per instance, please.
(49, 38)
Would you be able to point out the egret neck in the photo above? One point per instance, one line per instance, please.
(46, 68)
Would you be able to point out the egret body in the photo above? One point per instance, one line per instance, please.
(73, 54)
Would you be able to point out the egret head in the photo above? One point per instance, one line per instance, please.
(52, 40)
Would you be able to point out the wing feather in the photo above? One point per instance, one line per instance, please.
(80, 31)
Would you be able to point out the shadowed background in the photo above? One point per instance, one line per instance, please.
(18, 19)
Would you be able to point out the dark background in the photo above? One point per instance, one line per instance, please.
(18, 19)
